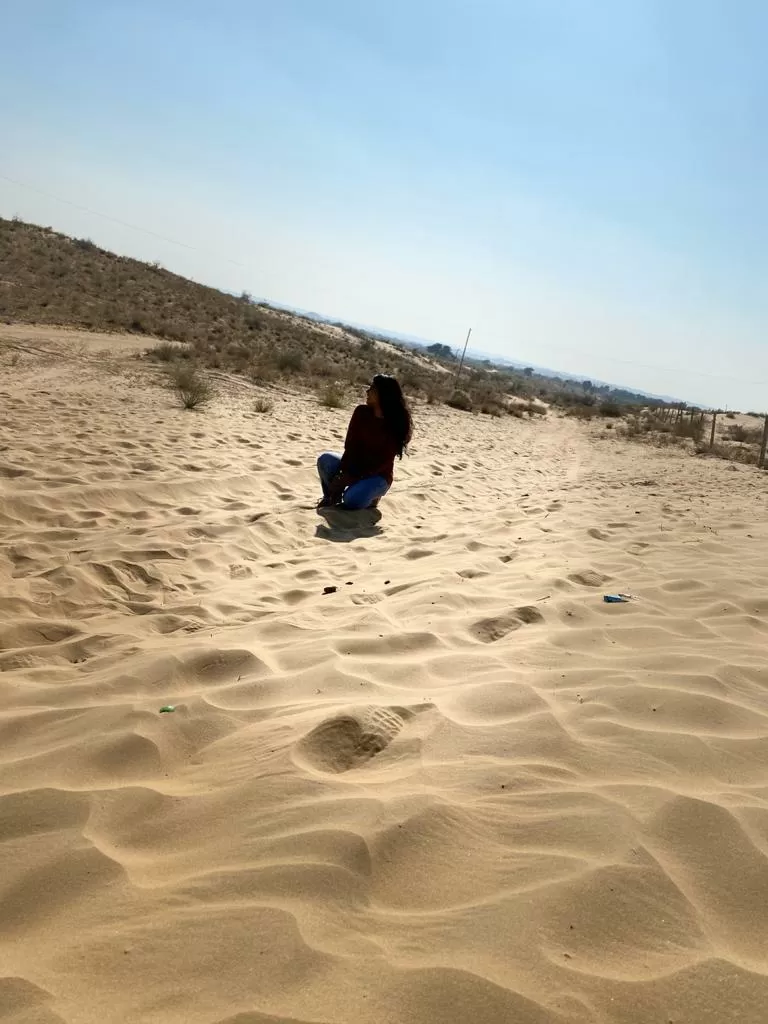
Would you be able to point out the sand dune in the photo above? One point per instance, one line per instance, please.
(458, 788)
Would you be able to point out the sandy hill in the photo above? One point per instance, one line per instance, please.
(48, 278)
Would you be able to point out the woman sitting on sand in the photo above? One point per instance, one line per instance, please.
(378, 431)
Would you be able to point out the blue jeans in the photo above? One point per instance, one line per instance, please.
(358, 495)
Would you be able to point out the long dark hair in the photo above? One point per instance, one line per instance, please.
(394, 409)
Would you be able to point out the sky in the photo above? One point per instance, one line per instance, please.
(582, 182)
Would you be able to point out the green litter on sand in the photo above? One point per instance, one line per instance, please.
(166, 708)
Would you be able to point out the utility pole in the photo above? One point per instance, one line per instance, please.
(764, 445)
(463, 354)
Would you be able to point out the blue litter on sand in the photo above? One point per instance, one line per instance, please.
(615, 598)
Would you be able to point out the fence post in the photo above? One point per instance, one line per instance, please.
(761, 461)
(714, 425)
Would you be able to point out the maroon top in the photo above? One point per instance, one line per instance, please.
(370, 448)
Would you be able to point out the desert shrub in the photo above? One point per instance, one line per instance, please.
(289, 361)
(581, 411)
(193, 387)
(534, 409)
(733, 453)
(610, 409)
(332, 396)
(255, 321)
(491, 408)
(321, 366)
(748, 435)
(262, 405)
(730, 415)
(459, 400)
(166, 352)
(689, 427)
(411, 380)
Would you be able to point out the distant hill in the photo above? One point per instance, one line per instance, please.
(49, 278)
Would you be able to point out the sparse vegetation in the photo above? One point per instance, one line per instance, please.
(745, 435)
(491, 408)
(460, 400)
(52, 279)
(263, 405)
(666, 425)
(611, 409)
(167, 351)
(194, 388)
(582, 411)
(332, 397)
(441, 352)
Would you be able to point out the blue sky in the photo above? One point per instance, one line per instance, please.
(583, 183)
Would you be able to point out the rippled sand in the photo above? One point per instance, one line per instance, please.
(459, 789)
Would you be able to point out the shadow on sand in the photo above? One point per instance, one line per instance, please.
(342, 527)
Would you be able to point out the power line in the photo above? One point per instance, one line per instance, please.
(650, 366)
(106, 216)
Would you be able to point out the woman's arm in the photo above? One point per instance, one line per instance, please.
(354, 440)
(352, 444)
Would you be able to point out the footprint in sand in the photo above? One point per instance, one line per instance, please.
(488, 631)
(588, 578)
(637, 548)
(239, 572)
(598, 534)
(352, 739)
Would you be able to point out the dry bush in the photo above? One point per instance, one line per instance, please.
(581, 412)
(459, 400)
(193, 386)
(663, 429)
(321, 366)
(691, 427)
(290, 362)
(534, 409)
(610, 409)
(731, 452)
(491, 408)
(333, 397)
(167, 351)
(263, 405)
(745, 435)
